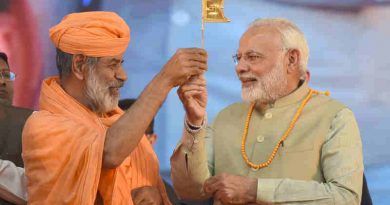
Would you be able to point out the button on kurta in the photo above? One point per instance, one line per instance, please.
(268, 115)
(260, 138)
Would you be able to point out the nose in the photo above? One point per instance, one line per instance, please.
(2, 82)
(242, 67)
(121, 74)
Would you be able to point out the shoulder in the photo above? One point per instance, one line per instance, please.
(46, 127)
(327, 104)
(47, 121)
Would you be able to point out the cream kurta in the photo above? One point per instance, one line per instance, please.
(320, 162)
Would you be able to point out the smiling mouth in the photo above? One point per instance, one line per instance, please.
(247, 81)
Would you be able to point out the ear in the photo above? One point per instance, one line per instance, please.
(152, 139)
(78, 66)
(293, 59)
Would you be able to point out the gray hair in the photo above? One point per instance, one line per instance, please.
(292, 38)
(64, 62)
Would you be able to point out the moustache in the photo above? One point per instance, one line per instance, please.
(118, 84)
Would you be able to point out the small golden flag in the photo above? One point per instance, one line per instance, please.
(212, 11)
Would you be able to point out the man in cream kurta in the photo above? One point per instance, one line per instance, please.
(320, 161)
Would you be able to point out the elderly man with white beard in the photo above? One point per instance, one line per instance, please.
(285, 144)
(80, 148)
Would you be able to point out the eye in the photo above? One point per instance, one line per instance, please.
(253, 57)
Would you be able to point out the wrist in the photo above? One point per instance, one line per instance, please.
(194, 122)
(252, 192)
(162, 83)
(194, 128)
(164, 80)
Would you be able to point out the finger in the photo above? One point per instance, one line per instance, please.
(200, 51)
(190, 94)
(194, 64)
(208, 189)
(142, 202)
(195, 71)
(210, 184)
(226, 198)
(197, 79)
(188, 87)
(185, 91)
(199, 58)
(187, 57)
(137, 198)
(180, 94)
(219, 195)
(192, 57)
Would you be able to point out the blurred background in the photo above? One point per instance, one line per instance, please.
(349, 56)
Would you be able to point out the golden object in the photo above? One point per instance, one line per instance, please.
(291, 127)
(212, 11)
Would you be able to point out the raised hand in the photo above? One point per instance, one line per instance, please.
(186, 62)
(193, 95)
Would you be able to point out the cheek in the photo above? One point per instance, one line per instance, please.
(262, 69)
(10, 87)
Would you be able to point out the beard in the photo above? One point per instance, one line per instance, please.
(98, 93)
(267, 88)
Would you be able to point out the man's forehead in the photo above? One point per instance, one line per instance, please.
(3, 65)
(256, 38)
(112, 59)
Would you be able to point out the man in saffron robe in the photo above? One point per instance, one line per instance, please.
(80, 148)
(285, 144)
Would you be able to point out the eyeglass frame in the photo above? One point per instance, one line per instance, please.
(236, 58)
(12, 75)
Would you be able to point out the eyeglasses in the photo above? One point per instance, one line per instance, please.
(7, 75)
(251, 58)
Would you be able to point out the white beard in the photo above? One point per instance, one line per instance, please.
(100, 98)
(268, 88)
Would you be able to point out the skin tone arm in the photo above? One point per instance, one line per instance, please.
(124, 135)
(11, 198)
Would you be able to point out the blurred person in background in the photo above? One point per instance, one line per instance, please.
(12, 119)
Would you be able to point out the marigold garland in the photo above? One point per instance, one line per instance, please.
(275, 150)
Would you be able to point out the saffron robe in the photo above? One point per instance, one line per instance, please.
(63, 153)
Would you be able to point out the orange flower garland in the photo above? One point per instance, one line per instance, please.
(275, 150)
